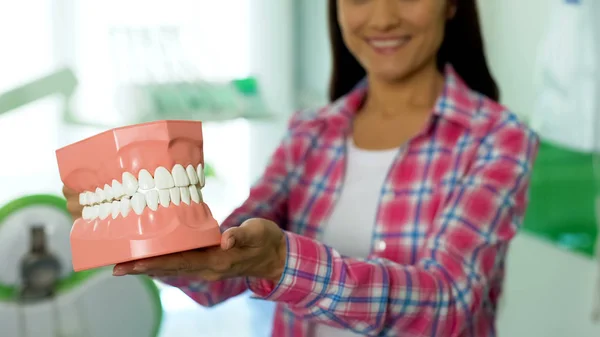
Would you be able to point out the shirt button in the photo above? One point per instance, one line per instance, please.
(380, 246)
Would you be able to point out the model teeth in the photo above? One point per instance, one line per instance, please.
(185, 195)
(181, 184)
(201, 177)
(115, 209)
(130, 184)
(117, 189)
(124, 206)
(108, 193)
(175, 195)
(191, 174)
(146, 181)
(105, 209)
(138, 203)
(152, 199)
(180, 176)
(163, 198)
(100, 197)
(163, 178)
(194, 194)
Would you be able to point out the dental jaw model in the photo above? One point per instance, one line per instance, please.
(141, 188)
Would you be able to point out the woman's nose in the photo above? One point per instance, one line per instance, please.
(384, 14)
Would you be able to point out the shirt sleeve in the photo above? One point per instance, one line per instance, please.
(267, 199)
(440, 294)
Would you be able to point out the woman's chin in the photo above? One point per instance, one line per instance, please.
(388, 74)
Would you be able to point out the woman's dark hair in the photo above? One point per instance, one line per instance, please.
(462, 47)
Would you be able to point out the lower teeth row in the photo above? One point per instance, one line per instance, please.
(142, 199)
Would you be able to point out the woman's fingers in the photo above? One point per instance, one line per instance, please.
(208, 264)
(123, 269)
(184, 262)
(73, 205)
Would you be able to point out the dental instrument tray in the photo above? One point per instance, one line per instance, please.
(141, 191)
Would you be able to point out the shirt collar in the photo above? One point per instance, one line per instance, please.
(457, 103)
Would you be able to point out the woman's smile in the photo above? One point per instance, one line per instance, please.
(388, 45)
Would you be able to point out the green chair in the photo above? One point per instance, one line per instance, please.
(91, 303)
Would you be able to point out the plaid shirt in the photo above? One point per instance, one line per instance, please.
(453, 199)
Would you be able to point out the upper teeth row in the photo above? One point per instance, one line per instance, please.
(129, 185)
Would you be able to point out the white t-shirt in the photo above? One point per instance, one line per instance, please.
(349, 229)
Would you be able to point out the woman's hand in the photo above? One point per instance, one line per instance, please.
(73, 205)
(257, 248)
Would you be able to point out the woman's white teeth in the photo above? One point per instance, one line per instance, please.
(130, 184)
(138, 203)
(391, 43)
(163, 178)
(146, 181)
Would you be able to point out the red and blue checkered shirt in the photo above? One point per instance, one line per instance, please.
(453, 199)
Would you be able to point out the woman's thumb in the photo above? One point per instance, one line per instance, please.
(232, 237)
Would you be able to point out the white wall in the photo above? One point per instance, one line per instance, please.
(548, 292)
(314, 62)
(512, 30)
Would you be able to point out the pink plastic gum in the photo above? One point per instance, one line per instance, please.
(96, 161)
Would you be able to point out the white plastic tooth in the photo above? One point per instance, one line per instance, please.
(130, 184)
(83, 198)
(192, 175)
(145, 180)
(125, 206)
(163, 178)
(100, 197)
(115, 208)
(105, 209)
(185, 195)
(180, 176)
(108, 193)
(94, 211)
(194, 195)
(152, 199)
(138, 203)
(175, 195)
(201, 176)
(85, 213)
(91, 198)
(164, 197)
(117, 189)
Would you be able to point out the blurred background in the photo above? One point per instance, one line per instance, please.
(72, 68)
